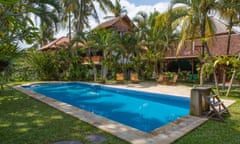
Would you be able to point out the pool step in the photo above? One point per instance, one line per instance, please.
(216, 107)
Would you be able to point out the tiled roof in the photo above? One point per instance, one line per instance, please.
(121, 21)
(63, 41)
(217, 46)
(59, 43)
(108, 23)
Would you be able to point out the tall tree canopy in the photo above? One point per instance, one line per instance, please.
(16, 24)
(81, 10)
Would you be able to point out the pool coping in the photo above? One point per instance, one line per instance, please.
(164, 135)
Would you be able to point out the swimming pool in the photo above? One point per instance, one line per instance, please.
(141, 110)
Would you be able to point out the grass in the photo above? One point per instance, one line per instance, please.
(25, 120)
(213, 132)
(28, 121)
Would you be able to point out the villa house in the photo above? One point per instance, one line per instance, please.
(187, 59)
(121, 25)
(188, 56)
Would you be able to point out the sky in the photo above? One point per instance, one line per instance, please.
(146, 2)
(132, 7)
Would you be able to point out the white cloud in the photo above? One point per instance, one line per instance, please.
(131, 8)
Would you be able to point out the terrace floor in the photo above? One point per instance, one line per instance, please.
(164, 135)
(178, 90)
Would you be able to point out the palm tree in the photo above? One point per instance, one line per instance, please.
(236, 65)
(195, 22)
(82, 10)
(155, 32)
(68, 7)
(142, 23)
(87, 46)
(230, 12)
(17, 25)
(145, 36)
(117, 10)
(47, 12)
(106, 41)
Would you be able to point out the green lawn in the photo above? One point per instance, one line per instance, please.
(213, 132)
(28, 121)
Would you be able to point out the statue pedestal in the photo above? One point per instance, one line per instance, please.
(198, 104)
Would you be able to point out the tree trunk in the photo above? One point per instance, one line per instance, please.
(69, 25)
(201, 77)
(95, 73)
(202, 31)
(229, 34)
(216, 82)
(231, 81)
(70, 34)
(104, 66)
(228, 50)
(80, 17)
(223, 81)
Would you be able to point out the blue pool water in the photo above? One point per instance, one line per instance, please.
(141, 110)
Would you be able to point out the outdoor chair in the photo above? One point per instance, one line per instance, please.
(160, 79)
(174, 80)
(134, 78)
(119, 77)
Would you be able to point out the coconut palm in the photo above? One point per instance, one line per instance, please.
(48, 27)
(230, 12)
(87, 46)
(47, 15)
(236, 65)
(82, 10)
(142, 23)
(117, 10)
(106, 41)
(155, 32)
(17, 25)
(195, 22)
(145, 35)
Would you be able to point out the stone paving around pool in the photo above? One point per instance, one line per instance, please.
(178, 90)
(164, 135)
